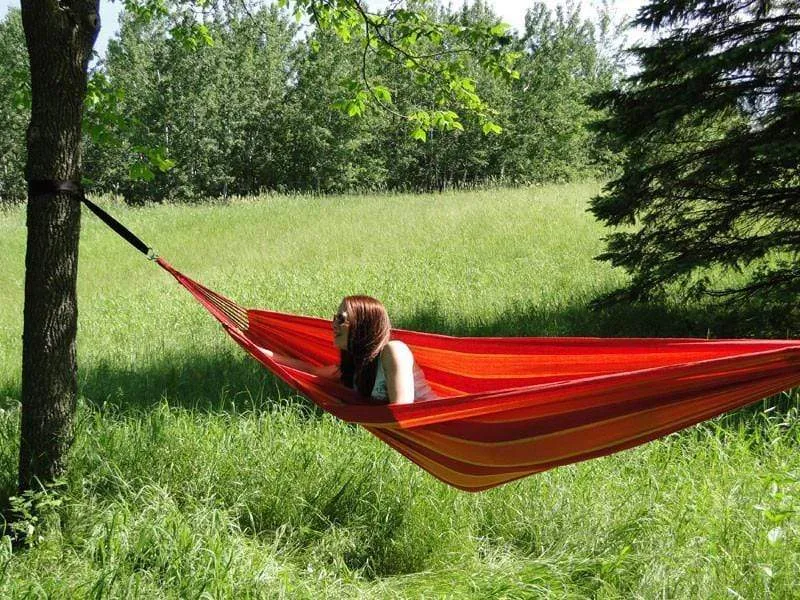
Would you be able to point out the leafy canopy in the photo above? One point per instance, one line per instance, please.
(251, 110)
(406, 33)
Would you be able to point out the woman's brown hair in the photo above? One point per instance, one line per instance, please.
(369, 332)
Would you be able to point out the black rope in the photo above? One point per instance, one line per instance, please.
(45, 187)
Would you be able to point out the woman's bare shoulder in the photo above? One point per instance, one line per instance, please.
(396, 351)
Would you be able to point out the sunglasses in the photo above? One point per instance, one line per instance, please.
(339, 319)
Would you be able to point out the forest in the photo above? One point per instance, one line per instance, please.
(268, 104)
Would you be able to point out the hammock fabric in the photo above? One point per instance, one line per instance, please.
(510, 407)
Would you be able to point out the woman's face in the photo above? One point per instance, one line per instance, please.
(341, 327)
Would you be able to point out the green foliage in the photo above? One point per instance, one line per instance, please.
(198, 120)
(255, 111)
(563, 65)
(327, 149)
(709, 131)
(430, 48)
(33, 512)
(184, 108)
(15, 106)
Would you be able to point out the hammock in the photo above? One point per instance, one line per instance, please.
(510, 407)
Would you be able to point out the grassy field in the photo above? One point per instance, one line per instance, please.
(195, 474)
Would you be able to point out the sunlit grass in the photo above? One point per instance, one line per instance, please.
(194, 472)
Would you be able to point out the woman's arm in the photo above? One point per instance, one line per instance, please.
(398, 366)
(330, 371)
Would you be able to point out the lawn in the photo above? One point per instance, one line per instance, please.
(197, 474)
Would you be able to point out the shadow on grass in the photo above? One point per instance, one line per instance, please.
(228, 381)
(8, 488)
(621, 320)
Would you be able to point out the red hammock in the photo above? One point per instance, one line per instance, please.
(510, 407)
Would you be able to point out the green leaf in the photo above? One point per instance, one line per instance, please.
(204, 34)
(353, 109)
(500, 29)
(165, 164)
(419, 134)
(490, 127)
(382, 93)
(421, 117)
(141, 172)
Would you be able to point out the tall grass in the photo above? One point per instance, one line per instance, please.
(196, 474)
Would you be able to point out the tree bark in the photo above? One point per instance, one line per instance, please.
(60, 35)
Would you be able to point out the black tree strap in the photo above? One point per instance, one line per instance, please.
(44, 187)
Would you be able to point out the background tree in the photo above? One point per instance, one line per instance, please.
(562, 65)
(15, 106)
(467, 156)
(709, 128)
(216, 110)
(253, 111)
(173, 118)
(330, 150)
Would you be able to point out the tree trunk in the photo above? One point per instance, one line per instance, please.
(60, 35)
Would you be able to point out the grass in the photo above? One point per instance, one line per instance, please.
(196, 474)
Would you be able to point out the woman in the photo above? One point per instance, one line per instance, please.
(381, 370)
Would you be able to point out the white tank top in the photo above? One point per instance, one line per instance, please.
(422, 390)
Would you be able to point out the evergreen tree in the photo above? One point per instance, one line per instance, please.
(710, 130)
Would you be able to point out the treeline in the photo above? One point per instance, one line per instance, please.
(167, 119)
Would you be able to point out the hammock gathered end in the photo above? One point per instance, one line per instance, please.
(511, 407)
